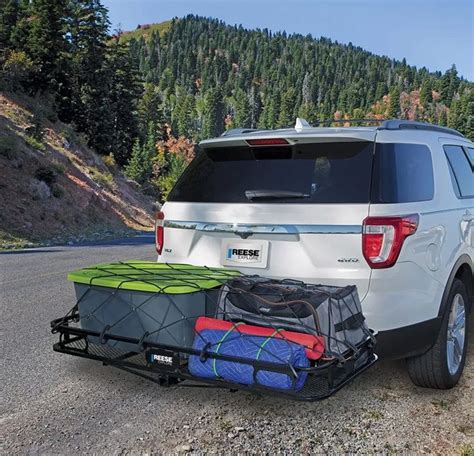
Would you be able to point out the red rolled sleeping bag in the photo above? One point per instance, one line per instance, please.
(314, 345)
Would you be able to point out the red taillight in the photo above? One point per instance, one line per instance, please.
(159, 232)
(383, 238)
(267, 142)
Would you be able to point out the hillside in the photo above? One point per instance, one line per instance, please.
(53, 188)
(146, 31)
(212, 76)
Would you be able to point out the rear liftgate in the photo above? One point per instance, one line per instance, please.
(175, 323)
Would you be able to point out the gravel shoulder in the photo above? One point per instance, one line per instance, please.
(55, 404)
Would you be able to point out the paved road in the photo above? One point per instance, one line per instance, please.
(55, 404)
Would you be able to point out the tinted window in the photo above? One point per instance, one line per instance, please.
(470, 154)
(319, 173)
(461, 170)
(403, 173)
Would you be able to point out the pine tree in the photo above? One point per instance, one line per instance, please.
(394, 108)
(270, 112)
(47, 44)
(306, 89)
(17, 70)
(455, 115)
(19, 33)
(469, 114)
(182, 113)
(150, 111)
(426, 92)
(153, 60)
(242, 110)
(213, 122)
(16, 66)
(123, 95)
(140, 165)
(443, 118)
(449, 84)
(309, 112)
(88, 106)
(463, 112)
(133, 169)
(286, 116)
(8, 19)
(255, 106)
(167, 80)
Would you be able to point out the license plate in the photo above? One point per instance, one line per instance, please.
(252, 254)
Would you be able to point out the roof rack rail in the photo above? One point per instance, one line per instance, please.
(342, 121)
(241, 131)
(384, 124)
(413, 125)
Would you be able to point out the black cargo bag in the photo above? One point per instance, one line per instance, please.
(332, 312)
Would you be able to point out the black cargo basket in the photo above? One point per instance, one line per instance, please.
(150, 319)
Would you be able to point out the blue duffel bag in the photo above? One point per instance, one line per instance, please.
(233, 343)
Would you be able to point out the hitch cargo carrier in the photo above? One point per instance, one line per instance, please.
(188, 325)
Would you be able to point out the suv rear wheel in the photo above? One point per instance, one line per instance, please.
(442, 365)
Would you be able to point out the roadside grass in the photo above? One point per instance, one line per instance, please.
(226, 426)
(109, 161)
(11, 242)
(103, 178)
(440, 404)
(35, 143)
(467, 450)
(375, 415)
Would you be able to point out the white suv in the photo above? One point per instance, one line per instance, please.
(389, 209)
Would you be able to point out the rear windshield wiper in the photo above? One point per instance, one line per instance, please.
(273, 194)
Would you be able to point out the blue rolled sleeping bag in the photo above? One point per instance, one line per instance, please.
(232, 343)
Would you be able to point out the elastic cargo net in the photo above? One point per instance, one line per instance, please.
(332, 312)
(218, 325)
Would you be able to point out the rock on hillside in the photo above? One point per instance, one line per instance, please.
(53, 188)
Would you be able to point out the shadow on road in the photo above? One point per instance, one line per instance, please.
(142, 239)
(26, 251)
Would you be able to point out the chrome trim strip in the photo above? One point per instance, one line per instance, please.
(249, 229)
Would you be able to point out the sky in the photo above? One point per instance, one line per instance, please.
(430, 33)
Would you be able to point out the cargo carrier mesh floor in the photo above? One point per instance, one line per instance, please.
(182, 324)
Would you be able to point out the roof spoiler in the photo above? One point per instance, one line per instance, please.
(412, 125)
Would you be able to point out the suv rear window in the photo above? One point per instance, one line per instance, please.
(315, 173)
(318, 173)
(403, 173)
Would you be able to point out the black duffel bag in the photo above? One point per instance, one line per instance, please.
(332, 312)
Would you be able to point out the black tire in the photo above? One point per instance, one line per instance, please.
(430, 370)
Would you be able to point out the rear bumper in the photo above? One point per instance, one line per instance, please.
(408, 340)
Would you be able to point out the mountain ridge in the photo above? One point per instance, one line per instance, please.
(146, 30)
(212, 76)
